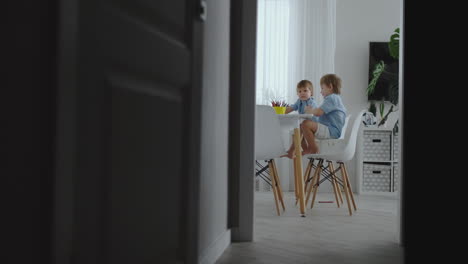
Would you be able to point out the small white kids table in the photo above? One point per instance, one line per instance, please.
(293, 122)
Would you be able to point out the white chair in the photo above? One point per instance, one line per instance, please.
(268, 146)
(338, 150)
(324, 144)
(330, 142)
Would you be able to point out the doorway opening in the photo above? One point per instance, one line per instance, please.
(280, 62)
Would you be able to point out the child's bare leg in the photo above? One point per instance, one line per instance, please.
(290, 153)
(308, 128)
(304, 143)
(291, 149)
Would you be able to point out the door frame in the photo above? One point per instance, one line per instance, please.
(401, 82)
(29, 106)
(241, 184)
(66, 125)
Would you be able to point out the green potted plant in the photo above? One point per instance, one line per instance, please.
(372, 108)
(379, 71)
(384, 119)
(382, 108)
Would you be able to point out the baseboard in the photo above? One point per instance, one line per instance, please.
(216, 249)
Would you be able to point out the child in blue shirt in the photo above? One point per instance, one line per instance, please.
(331, 114)
(305, 92)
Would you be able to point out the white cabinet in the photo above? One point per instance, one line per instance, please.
(377, 161)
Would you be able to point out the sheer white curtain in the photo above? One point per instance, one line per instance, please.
(295, 41)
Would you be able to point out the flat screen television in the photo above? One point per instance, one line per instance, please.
(379, 51)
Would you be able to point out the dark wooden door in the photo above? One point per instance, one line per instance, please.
(137, 131)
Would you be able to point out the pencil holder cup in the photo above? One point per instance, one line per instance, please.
(280, 110)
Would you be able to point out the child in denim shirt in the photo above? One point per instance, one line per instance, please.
(331, 114)
(304, 92)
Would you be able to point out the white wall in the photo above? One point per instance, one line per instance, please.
(357, 23)
(214, 235)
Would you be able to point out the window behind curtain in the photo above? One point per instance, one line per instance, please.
(295, 41)
(272, 50)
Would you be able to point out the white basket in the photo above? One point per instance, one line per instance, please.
(396, 177)
(377, 145)
(376, 178)
(396, 148)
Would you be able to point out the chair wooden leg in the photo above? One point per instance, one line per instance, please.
(313, 181)
(307, 174)
(273, 183)
(340, 191)
(349, 186)
(345, 186)
(333, 179)
(338, 188)
(312, 178)
(310, 188)
(278, 184)
(316, 185)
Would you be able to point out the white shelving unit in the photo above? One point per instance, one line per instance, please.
(377, 161)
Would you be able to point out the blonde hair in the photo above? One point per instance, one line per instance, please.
(306, 84)
(333, 81)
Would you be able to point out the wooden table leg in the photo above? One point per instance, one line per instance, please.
(295, 175)
(298, 170)
(306, 178)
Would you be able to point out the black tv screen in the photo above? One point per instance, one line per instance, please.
(378, 51)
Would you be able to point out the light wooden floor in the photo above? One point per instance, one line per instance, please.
(327, 235)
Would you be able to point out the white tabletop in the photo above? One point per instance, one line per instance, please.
(291, 121)
(287, 116)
